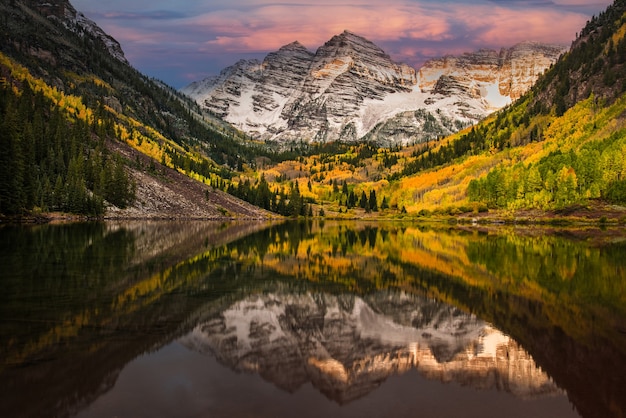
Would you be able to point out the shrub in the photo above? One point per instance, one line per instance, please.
(424, 213)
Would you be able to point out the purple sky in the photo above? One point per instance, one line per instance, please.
(184, 41)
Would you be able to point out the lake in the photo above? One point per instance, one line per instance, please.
(309, 319)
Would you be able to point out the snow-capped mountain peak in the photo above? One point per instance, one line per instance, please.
(350, 90)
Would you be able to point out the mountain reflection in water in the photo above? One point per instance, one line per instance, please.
(346, 346)
(161, 318)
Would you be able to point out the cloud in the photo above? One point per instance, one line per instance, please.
(202, 34)
(525, 3)
(269, 27)
(148, 15)
(507, 26)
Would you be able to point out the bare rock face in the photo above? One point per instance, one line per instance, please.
(346, 346)
(499, 77)
(76, 21)
(351, 90)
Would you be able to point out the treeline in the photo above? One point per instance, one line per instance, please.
(49, 164)
(350, 200)
(597, 170)
(290, 202)
(287, 203)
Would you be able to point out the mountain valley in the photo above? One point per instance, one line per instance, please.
(342, 132)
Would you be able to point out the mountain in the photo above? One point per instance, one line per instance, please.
(350, 89)
(86, 133)
(576, 111)
(557, 151)
(77, 22)
(594, 66)
(499, 77)
(346, 346)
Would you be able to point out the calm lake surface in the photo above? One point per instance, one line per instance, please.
(197, 319)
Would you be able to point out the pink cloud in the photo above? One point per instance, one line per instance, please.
(409, 30)
(269, 27)
(507, 27)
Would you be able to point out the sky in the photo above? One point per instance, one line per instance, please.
(184, 41)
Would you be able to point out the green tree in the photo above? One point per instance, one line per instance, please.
(567, 184)
(373, 202)
(616, 192)
(294, 207)
(363, 202)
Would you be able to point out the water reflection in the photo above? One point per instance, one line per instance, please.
(347, 345)
(335, 308)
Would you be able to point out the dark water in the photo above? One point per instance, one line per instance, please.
(311, 319)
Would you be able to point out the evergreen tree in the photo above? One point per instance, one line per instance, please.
(363, 202)
(384, 204)
(11, 164)
(352, 200)
(294, 208)
(373, 203)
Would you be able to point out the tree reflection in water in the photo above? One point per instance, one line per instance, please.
(340, 306)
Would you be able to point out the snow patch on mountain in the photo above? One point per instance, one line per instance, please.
(351, 90)
(491, 93)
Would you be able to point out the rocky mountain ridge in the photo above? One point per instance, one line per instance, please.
(77, 22)
(509, 73)
(350, 89)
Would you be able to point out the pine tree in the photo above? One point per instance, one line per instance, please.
(363, 202)
(373, 203)
(294, 208)
(76, 197)
(352, 201)
(384, 205)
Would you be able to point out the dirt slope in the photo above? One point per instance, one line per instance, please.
(165, 193)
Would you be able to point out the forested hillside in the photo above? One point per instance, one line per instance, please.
(68, 95)
(577, 112)
(51, 165)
